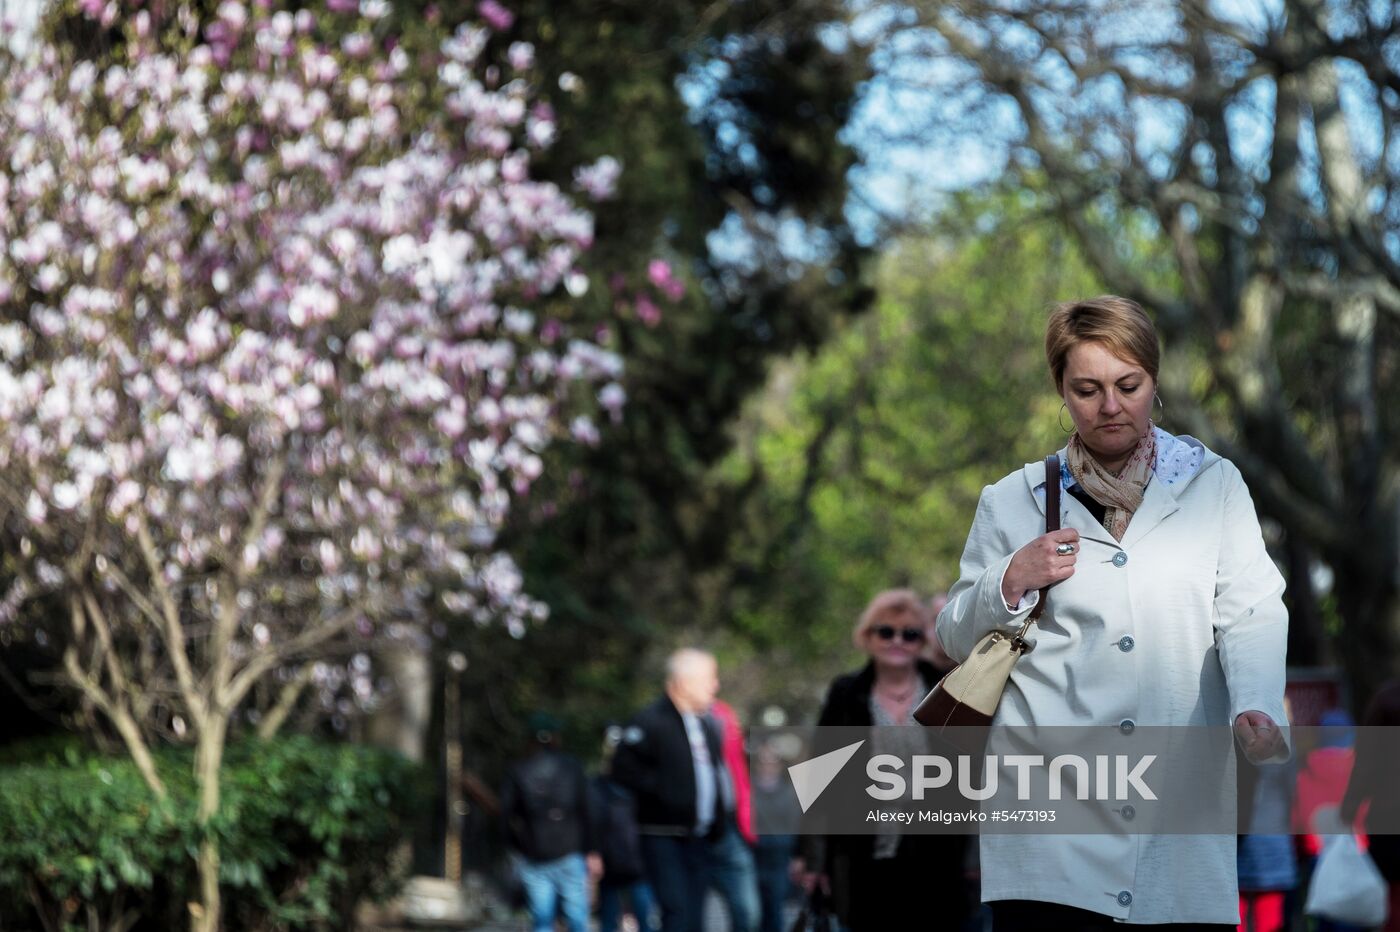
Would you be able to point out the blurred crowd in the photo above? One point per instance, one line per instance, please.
(1332, 790)
(667, 826)
(668, 823)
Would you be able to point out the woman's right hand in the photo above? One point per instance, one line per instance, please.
(1037, 565)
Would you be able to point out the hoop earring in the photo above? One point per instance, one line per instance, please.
(1158, 398)
(1060, 419)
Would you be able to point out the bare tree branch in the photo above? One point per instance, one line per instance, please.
(287, 699)
(171, 628)
(293, 648)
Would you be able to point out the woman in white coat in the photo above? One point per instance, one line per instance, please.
(1166, 610)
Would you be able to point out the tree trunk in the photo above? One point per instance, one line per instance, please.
(1305, 628)
(208, 762)
(1371, 615)
(402, 724)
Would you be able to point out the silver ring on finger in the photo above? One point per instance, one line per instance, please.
(1065, 550)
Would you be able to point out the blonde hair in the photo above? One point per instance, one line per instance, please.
(892, 603)
(1120, 325)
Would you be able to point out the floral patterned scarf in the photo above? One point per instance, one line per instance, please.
(1120, 494)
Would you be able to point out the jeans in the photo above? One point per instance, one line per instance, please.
(610, 904)
(676, 870)
(562, 884)
(772, 857)
(733, 875)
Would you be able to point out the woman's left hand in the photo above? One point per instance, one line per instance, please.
(1259, 736)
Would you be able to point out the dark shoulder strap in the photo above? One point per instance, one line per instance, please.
(1052, 519)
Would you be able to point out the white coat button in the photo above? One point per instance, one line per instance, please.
(1125, 643)
(1120, 558)
(1125, 898)
(1126, 726)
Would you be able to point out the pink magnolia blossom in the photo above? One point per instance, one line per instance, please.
(599, 180)
(254, 341)
(495, 15)
(647, 311)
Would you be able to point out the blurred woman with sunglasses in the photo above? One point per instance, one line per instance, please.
(890, 880)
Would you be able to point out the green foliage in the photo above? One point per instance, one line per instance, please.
(306, 829)
(873, 451)
(726, 119)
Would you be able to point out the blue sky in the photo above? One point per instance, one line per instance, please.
(958, 139)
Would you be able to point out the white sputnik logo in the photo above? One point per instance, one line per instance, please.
(811, 777)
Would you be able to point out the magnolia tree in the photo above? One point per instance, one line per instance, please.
(272, 367)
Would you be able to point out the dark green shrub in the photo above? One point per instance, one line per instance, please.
(306, 830)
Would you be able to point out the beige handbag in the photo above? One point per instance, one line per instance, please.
(970, 693)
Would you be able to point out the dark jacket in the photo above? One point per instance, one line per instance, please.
(848, 699)
(615, 828)
(545, 805)
(654, 762)
(848, 860)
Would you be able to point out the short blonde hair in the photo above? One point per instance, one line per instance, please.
(1120, 325)
(889, 605)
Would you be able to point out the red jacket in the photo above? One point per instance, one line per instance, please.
(736, 760)
(1321, 782)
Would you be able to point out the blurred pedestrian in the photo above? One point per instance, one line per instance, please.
(671, 758)
(620, 844)
(1323, 777)
(1322, 782)
(1266, 861)
(732, 870)
(888, 880)
(1372, 785)
(544, 802)
(1166, 610)
(773, 795)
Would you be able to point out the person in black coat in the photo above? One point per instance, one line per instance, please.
(548, 822)
(892, 880)
(620, 844)
(671, 760)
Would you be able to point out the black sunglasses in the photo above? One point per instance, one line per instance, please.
(907, 635)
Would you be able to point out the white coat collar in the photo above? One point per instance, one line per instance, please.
(1179, 461)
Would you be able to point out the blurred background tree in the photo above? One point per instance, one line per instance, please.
(872, 452)
(1254, 145)
(728, 121)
